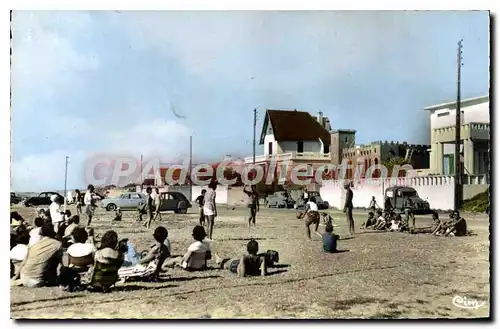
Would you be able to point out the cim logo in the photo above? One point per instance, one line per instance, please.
(468, 303)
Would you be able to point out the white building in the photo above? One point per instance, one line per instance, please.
(475, 136)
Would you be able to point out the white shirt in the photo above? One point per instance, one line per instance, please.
(394, 225)
(87, 199)
(306, 195)
(81, 249)
(55, 213)
(18, 253)
(34, 236)
(198, 255)
(312, 206)
(381, 219)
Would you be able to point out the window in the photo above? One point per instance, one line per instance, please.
(443, 114)
(136, 196)
(326, 149)
(125, 196)
(300, 147)
(346, 139)
(270, 148)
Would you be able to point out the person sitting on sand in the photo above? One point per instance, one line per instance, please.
(73, 223)
(329, 240)
(151, 264)
(108, 251)
(395, 223)
(370, 221)
(81, 251)
(35, 232)
(381, 222)
(443, 226)
(436, 225)
(118, 215)
(250, 264)
(19, 252)
(39, 267)
(458, 225)
(197, 255)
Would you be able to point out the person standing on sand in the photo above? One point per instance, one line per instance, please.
(348, 206)
(89, 201)
(78, 202)
(148, 208)
(199, 201)
(209, 207)
(157, 203)
(252, 204)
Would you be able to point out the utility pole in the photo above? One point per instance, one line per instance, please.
(142, 176)
(65, 181)
(254, 129)
(190, 160)
(458, 127)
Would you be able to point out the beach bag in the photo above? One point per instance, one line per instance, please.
(233, 267)
(271, 257)
(131, 257)
(138, 271)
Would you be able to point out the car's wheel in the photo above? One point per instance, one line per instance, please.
(181, 211)
(111, 207)
(27, 204)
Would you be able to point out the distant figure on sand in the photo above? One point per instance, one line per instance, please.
(312, 216)
(199, 202)
(209, 208)
(373, 204)
(90, 203)
(348, 206)
(78, 197)
(157, 204)
(252, 204)
(147, 209)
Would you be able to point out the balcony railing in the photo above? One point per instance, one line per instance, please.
(469, 130)
(290, 156)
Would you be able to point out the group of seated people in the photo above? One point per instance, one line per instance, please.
(74, 259)
(385, 221)
(389, 221)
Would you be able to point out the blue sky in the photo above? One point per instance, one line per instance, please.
(106, 82)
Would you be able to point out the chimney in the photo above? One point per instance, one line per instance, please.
(320, 118)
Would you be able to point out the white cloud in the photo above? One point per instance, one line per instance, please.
(44, 60)
(37, 172)
(164, 139)
(167, 141)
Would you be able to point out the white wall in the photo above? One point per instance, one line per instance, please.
(270, 139)
(221, 193)
(437, 190)
(479, 113)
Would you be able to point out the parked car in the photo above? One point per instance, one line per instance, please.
(280, 199)
(404, 197)
(14, 199)
(322, 204)
(43, 199)
(131, 201)
(175, 201)
(126, 201)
